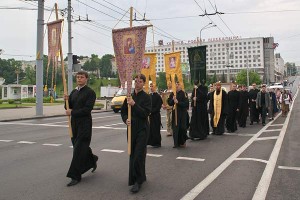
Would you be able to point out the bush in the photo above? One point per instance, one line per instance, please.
(1, 101)
(11, 101)
(28, 100)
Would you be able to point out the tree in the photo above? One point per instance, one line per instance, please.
(93, 65)
(105, 65)
(223, 78)
(30, 75)
(8, 70)
(254, 77)
(161, 81)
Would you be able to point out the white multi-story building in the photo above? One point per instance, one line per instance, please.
(226, 55)
(279, 68)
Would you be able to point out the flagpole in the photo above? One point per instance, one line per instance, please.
(175, 107)
(63, 75)
(129, 106)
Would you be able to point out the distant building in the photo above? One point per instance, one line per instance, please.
(227, 54)
(279, 68)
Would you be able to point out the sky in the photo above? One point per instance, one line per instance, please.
(176, 20)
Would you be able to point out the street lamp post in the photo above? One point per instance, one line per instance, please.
(206, 27)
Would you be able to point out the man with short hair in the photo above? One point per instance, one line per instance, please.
(81, 102)
(263, 103)
(254, 112)
(169, 110)
(155, 118)
(140, 103)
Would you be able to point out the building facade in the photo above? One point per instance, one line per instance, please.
(279, 68)
(228, 55)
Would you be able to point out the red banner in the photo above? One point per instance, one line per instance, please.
(54, 34)
(129, 45)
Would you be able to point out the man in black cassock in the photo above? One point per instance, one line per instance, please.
(243, 107)
(182, 104)
(199, 126)
(218, 110)
(254, 112)
(210, 93)
(81, 102)
(140, 109)
(155, 118)
(233, 103)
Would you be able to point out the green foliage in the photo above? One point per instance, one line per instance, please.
(1, 101)
(8, 70)
(161, 81)
(11, 101)
(223, 78)
(105, 65)
(254, 77)
(28, 100)
(92, 65)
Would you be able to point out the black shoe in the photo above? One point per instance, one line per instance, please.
(95, 165)
(73, 182)
(251, 123)
(135, 188)
(263, 124)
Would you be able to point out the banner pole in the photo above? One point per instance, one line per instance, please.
(63, 75)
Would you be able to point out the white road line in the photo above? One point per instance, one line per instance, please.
(154, 155)
(105, 127)
(264, 183)
(67, 121)
(26, 142)
(268, 138)
(6, 140)
(272, 130)
(291, 168)
(276, 125)
(187, 158)
(114, 124)
(71, 147)
(239, 134)
(55, 145)
(253, 159)
(192, 194)
(113, 151)
(31, 124)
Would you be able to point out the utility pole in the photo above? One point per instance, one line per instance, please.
(70, 58)
(39, 59)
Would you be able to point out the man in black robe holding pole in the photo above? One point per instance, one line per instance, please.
(218, 110)
(140, 109)
(155, 118)
(199, 126)
(179, 125)
(254, 112)
(81, 102)
(233, 103)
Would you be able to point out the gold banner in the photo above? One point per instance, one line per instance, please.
(172, 67)
(148, 69)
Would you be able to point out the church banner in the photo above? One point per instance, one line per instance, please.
(129, 47)
(148, 69)
(173, 67)
(197, 60)
(54, 34)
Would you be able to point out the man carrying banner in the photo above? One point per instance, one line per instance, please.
(81, 102)
(199, 127)
(155, 118)
(218, 110)
(233, 103)
(179, 125)
(254, 112)
(140, 103)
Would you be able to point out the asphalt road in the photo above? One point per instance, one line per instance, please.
(255, 163)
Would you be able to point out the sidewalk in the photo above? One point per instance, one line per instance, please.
(30, 112)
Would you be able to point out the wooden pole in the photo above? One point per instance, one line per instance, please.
(129, 106)
(173, 82)
(63, 75)
(195, 96)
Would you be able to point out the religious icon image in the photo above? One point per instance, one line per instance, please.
(129, 47)
(146, 63)
(53, 34)
(172, 62)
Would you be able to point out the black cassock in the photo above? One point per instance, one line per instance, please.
(233, 103)
(81, 102)
(179, 130)
(220, 129)
(243, 108)
(254, 112)
(199, 126)
(155, 120)
(139, 135)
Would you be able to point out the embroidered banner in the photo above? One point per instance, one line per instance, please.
(197, 60)
(129, 47)
(173, 67)
(148, 69)
(54, 33)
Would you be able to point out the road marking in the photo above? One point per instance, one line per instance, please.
(193, 193)
(291, 168)
(239, 134)
(264, 183)
(276, 125)
(268, 138)
(114, 124)
(71, 147)
(271, 130)
(113, 151)
(187, 158)
(55, 145)
(154, 155)
(6, 140)
(26, 142)
(253, 159)
(31, 124)
(67, 121)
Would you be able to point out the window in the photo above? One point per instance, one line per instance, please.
(253, 42)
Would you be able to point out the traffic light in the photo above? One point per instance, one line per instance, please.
(75, 59)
